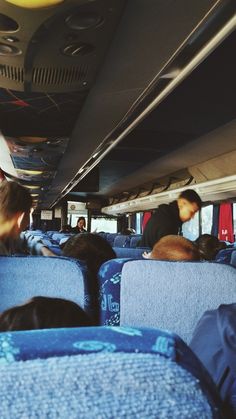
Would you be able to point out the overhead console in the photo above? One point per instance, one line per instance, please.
(57, 48)
(50, 54)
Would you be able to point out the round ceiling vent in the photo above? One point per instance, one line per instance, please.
(9, 50)
(7, 24)
(76, 49)
(81, 21)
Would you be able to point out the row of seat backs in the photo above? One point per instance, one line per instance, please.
(169, 295)
(36, 243)
(115, 240)
(103, 372)
(121, 240)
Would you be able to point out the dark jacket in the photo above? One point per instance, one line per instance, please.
(214, 342)
(164, 221)
(77, 230)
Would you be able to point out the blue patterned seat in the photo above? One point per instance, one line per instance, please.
(233, 259)
(121, 240)
(135, 240)
(170, 295)
(102, 373)
(127, 252)
(224, 255)
(109, 276)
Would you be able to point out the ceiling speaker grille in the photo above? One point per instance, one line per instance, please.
(12, 73)
(59, 76)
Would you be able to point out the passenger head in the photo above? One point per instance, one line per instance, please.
(15, 205)
(209, 246)
(189, 202)
(91, 248)
(43, 313)
(81, 222)
(128, 231)
(174, 248)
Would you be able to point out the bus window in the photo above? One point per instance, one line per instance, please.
(234, 219)
(108, 225)
(190, 229)
(206, 215)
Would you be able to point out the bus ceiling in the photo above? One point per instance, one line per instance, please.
(101, 97)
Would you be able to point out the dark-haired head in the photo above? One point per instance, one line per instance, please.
(209, 246)
(91, 248)
(191, 196)
(43, 313)
(189, 202)
(81, 222)
(15, 205)
(14, 198)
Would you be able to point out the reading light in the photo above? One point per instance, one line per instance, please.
(31, 186)
(30, 172)
(34, 4)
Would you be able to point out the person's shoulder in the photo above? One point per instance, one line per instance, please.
(164, 210)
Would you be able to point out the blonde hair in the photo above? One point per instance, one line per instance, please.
(175, 248)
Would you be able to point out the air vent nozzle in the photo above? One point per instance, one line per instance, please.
(76, 49)
(81, 21)
(7, 50)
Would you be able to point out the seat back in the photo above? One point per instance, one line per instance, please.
(224, 255)
(58, 379)
(22, 278)
(109, 291)
(121, 240)
(173, 295)
(134, 240)
(233, 259)
(127, 252)
(110, 237)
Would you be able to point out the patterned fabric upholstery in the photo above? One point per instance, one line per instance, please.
(22, 278)
(233, 259)
(109, 291)
(135, 240)
(121, 240)
(102, 373)
(173, 295)
(224, 256)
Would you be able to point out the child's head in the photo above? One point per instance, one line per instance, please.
(43, 313)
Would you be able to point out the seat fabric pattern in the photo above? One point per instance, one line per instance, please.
(102, 372)
(109, 276)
